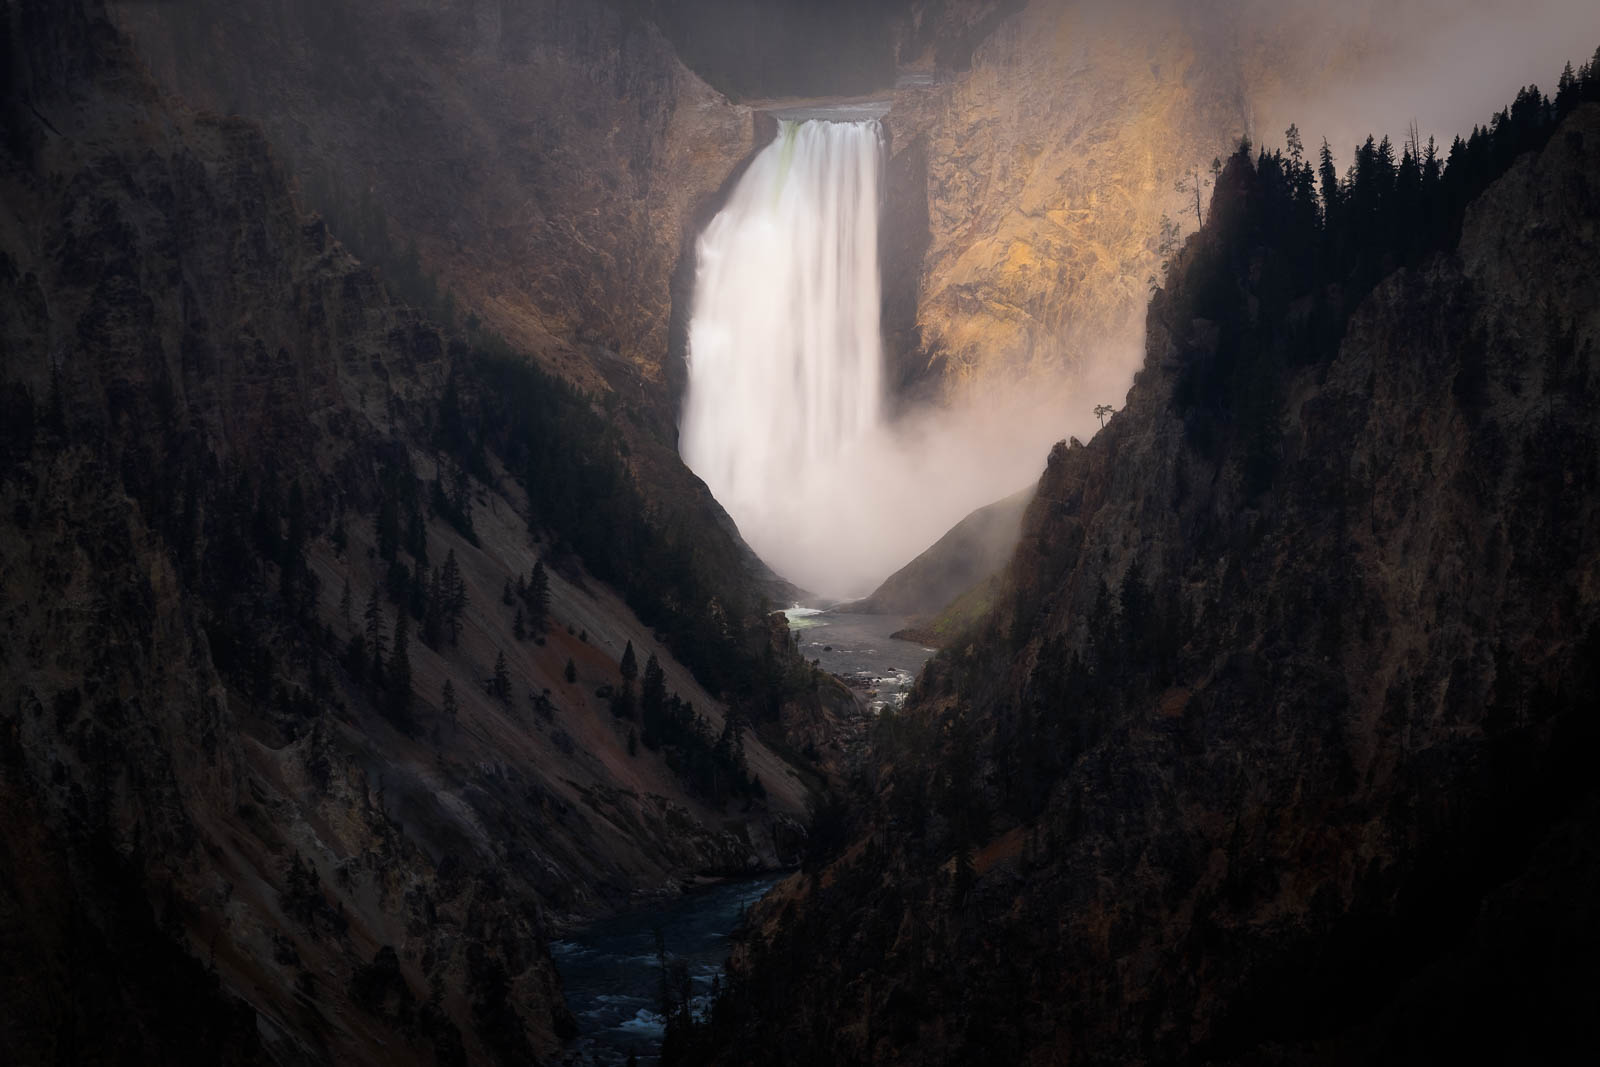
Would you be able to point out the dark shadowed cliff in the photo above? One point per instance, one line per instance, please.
(1275, 746)
(316, 624)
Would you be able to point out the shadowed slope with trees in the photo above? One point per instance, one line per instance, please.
(1273, 748)
(278, 780)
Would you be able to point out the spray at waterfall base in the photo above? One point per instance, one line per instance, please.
(785, 412)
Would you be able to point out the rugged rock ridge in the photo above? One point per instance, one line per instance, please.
(222, 842)
(1262, 757)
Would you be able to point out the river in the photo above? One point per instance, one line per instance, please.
(609, 968)
(859, 649)
(613, 980)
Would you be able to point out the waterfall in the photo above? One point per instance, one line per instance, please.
(785, 356)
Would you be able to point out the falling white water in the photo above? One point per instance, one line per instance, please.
(785, 356)
(784, 412)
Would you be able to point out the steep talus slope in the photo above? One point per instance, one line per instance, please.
(227, 834)
(976, 549)
(1274, 749)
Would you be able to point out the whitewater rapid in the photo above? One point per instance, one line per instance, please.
(785, 354)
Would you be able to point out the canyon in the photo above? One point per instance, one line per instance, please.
(379, 607)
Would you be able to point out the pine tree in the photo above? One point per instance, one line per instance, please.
(375, 639)
(964, 876)
(417, 538)
(386, 528)
(622, 700)
(453, 592)
(501, 685)
(1192, 186)
(571, 671)
(1328, 176)
(463, 497)
(1567, 90)
(355, 657)
(294, 545)
(518, 629)
(344, 603)
(447, 701)
(399, 673)
(723, 756)
(653, 702)
(433, 611)
(264, 523)
(538, 598)
(417, 595)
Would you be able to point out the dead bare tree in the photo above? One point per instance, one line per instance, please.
(1192, 184)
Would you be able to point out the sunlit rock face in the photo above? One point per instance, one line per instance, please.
(1049, 167)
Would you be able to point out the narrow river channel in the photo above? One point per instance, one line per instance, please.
(610, 969)
(613, 979)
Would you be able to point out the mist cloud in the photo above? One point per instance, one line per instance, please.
(1372, 68)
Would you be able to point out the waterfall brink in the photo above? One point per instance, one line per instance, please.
(785, 353)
